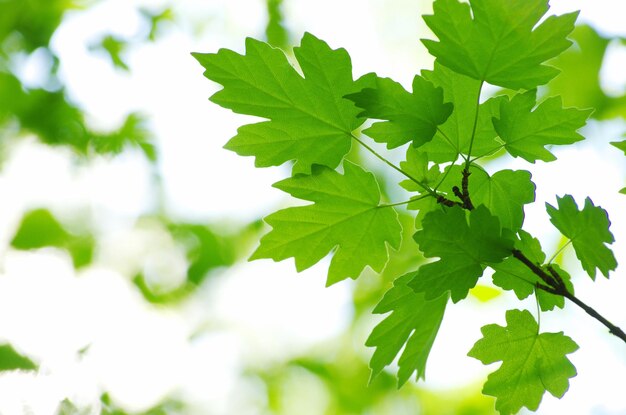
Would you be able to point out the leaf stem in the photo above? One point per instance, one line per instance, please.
(446, 172)
(469, 151)
(413, 199)
(569, 241)
(440, 199)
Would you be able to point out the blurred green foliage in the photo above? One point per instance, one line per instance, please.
(275, 31)
(337, 371)
(39, 228)
(208, 249)
(12, 360)
(26, 28)
(579, 80)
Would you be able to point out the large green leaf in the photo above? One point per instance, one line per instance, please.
(588, 229)
(413, 323)
(532, 363)
(499, 41)
(345, 215)
(526, 130)
(462, 248)
(412, 117)
(310, 121)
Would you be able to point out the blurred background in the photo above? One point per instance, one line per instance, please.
(125, 227)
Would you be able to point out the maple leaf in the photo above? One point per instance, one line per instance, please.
(588, 229)
(412, 117)
(453, 137)
(504, 194)
(532, 363)
(502, 44)
(413, 323)
(512, 274)
(345, 215)
(310, 121)
(462, 249)
(526, 132)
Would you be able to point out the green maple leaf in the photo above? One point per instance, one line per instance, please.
(412, 117)
(310, 121)
(504, 194)
(345, 215)
(462, 249)
(502, 44)
(454, 136)
(512, 274)
(532, 363)
(526, 132)
(588, 229)
(413, 323)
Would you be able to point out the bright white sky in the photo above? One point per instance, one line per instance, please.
(139, 353)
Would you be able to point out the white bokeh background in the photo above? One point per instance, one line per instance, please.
(262, 311)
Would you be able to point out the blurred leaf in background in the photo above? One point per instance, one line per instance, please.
(39, 228)
(12, 360)
(26, 28)
(579, 80)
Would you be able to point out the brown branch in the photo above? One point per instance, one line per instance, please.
(556, 286)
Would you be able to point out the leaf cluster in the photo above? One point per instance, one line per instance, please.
(467, 218)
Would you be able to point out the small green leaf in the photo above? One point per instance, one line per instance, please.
(526, 131)
(345, 217)
(310, 121)
(412, 117)
(413, 323)
(12, 360)
(532, 363)
(504, 194)
(588, 229)
(462, 248)
(499, 42)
